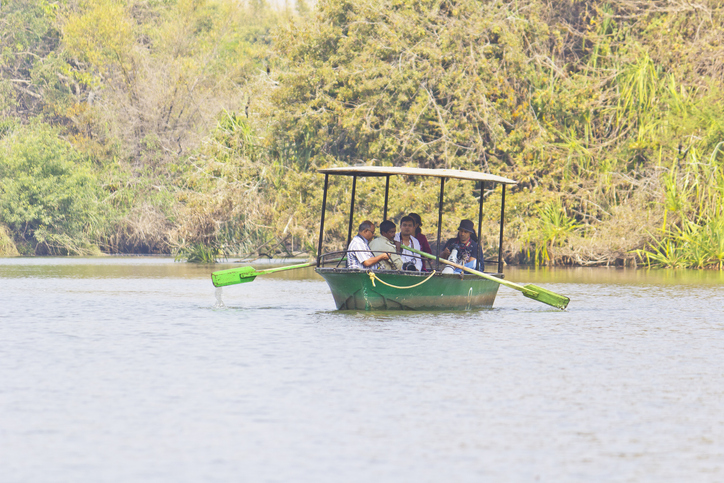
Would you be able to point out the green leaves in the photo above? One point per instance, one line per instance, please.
(7, 246)
(28, 36)
(552, 228)
(205, 119)
(406, 82)
(49, 195)
(691, 246)
(101, 36)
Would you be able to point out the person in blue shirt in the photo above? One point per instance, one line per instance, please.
(359, 255)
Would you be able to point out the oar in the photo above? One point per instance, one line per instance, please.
(531, 291)
(233, 276)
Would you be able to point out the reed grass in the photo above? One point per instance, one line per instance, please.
(7, 246)
(694, 194)
(199, 253)
(553, 227)
(691, 246)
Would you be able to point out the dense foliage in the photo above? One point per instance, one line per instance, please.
(196, 125)
(48, 194)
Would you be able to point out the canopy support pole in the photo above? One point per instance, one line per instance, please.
(387, 191)
(439, 220)
(500, 242)
(351, 212)
(321, 224)
(480, 263)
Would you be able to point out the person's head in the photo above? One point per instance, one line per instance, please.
(417, 220)
(407, 226)
(367, 230)
(465, 230)
(388, 229)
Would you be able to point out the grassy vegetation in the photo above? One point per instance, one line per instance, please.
(7, 247)
(51, 196)
(196, 126)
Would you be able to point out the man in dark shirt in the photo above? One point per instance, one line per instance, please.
(464, 246)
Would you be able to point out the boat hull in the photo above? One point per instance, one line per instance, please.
(355, 290)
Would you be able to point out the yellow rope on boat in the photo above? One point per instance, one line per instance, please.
(374, 277)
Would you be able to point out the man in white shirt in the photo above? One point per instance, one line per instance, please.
(410, 261)
(385, 244)
(359, 255)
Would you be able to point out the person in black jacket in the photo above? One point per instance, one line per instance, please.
(464, 247)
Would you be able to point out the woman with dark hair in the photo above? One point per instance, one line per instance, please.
(464, 248)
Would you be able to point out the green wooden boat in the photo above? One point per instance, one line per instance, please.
(388, 290)
(355, 289)
(406, 290)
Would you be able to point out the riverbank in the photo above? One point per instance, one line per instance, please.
(119, 135)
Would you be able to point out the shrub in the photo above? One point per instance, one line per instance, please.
(7, 246)
(49, 195)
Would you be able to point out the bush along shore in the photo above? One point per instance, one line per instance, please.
(195, 127)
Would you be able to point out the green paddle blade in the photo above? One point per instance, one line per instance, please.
(546, 296)
(233, 276)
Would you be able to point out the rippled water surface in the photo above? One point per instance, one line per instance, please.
(127, 369)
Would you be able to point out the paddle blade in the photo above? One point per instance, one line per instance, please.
(233, 276)
(546, 296)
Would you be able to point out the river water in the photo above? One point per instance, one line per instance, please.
(129, 369)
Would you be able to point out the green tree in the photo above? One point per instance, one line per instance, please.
(29, 40)
(435, 84)
(50, 196)
(157, 76)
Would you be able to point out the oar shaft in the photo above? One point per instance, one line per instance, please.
(531, 291)
(501, 281)
(245, 274)
(281, 269)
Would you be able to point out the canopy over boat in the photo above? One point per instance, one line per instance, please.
(387, 171)
(436, 173)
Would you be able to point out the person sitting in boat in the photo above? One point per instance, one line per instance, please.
(359, 255)
(424, 244)
(410, 261)
(464, 247)
(385, 244)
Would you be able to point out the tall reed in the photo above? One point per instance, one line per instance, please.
(695, 238)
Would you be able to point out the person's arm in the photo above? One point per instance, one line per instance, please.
(446, 251)
(481, 258)
(472, 257)
(419, 261)
(425, 245)
(396, 261)
(392, 251)
(475, 252)
(372, 260)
